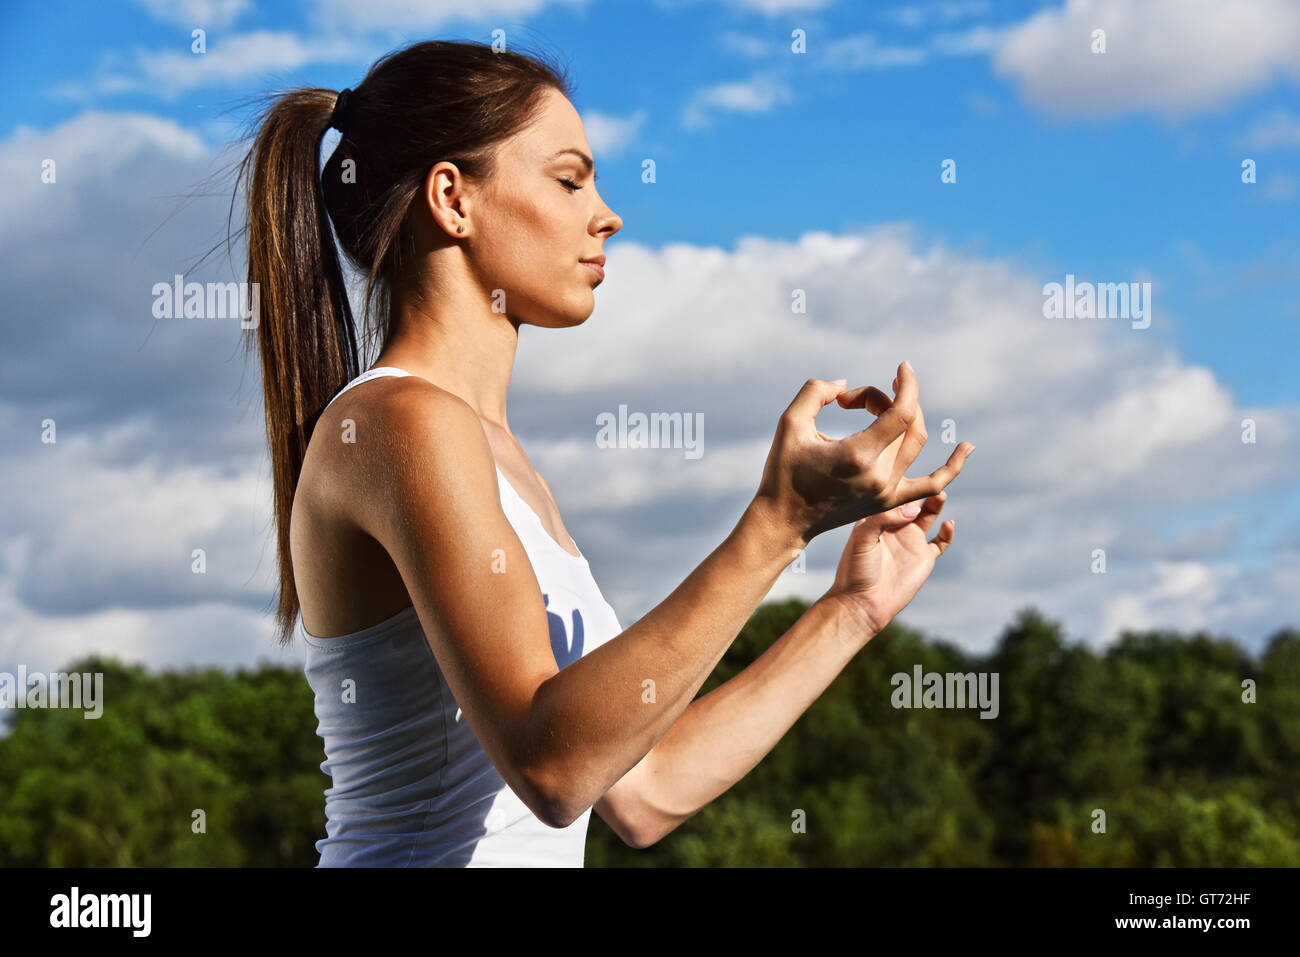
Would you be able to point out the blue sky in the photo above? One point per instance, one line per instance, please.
(1099, 196)
(1114, 167)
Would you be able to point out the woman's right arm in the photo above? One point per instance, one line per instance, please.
(562, 738)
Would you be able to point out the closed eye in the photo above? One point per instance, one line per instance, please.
(570, 185)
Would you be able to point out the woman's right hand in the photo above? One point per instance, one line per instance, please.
(814, 483)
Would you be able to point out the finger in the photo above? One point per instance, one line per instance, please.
(874, 401)
(865, 397)
(891, 423)
(815, 395)
(913, 441)
(930, 510)
(869, 528)
(894, 518)
(947, 532)
(910, 489)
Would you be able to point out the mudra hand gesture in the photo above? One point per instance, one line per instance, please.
(816, 483)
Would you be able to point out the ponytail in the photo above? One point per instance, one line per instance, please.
(304, 334)
(433, 101)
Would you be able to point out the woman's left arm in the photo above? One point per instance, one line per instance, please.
(721, 736)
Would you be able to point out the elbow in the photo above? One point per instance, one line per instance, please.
(550, 786)
(563, 808)
(558, 808)
(648, 834)
(639, 842)
(554, 811)
(551, 804)
(562, 818)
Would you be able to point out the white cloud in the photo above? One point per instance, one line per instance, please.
(1280, 129)
(343, 32)
(975, 40)
(239, 57)
(1085, 429)
(207, 14)
(864, 52)
(407, 15)
(611, 134)
(1193, 596)
(1278, 187)
(110, 531)
(1172, 57)
(756, 95)
(917, 14)
(230, 60)
(772, 8)
(753, 47)
(97, 529)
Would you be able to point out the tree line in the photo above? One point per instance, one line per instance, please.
(1165, 749)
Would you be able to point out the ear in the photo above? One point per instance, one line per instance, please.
(446, 198)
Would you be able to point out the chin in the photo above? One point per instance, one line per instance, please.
(579, 311)
(575, 315)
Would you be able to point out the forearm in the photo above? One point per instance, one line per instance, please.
(600, 715)
(723, 735)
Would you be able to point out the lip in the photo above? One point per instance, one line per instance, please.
(597, 264)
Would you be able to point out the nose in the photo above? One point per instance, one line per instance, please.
(607, 222)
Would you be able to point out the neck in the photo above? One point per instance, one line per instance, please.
(460, 347)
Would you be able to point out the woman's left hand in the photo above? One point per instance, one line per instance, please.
(886, 561)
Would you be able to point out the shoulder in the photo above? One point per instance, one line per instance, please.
(392, 415)
(391, 438)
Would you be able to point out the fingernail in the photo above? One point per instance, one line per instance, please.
(840, 381)
(911, 510)
(909, 366)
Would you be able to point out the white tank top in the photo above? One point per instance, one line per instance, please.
(410, 784)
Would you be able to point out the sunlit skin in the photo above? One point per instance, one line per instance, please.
(887, 557)
(643, 769)
(525, 233)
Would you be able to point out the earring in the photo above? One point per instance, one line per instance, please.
(460, 229)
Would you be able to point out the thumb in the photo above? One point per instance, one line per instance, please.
(815, 395)
(895, 517)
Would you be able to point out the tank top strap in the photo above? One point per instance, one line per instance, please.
(375, 373)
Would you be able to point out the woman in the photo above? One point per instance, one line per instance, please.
(476, 695)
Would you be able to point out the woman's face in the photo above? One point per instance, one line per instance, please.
(538, 218)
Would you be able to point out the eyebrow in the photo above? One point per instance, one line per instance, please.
(587, 163)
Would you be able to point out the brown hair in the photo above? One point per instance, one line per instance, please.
(432, 101)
